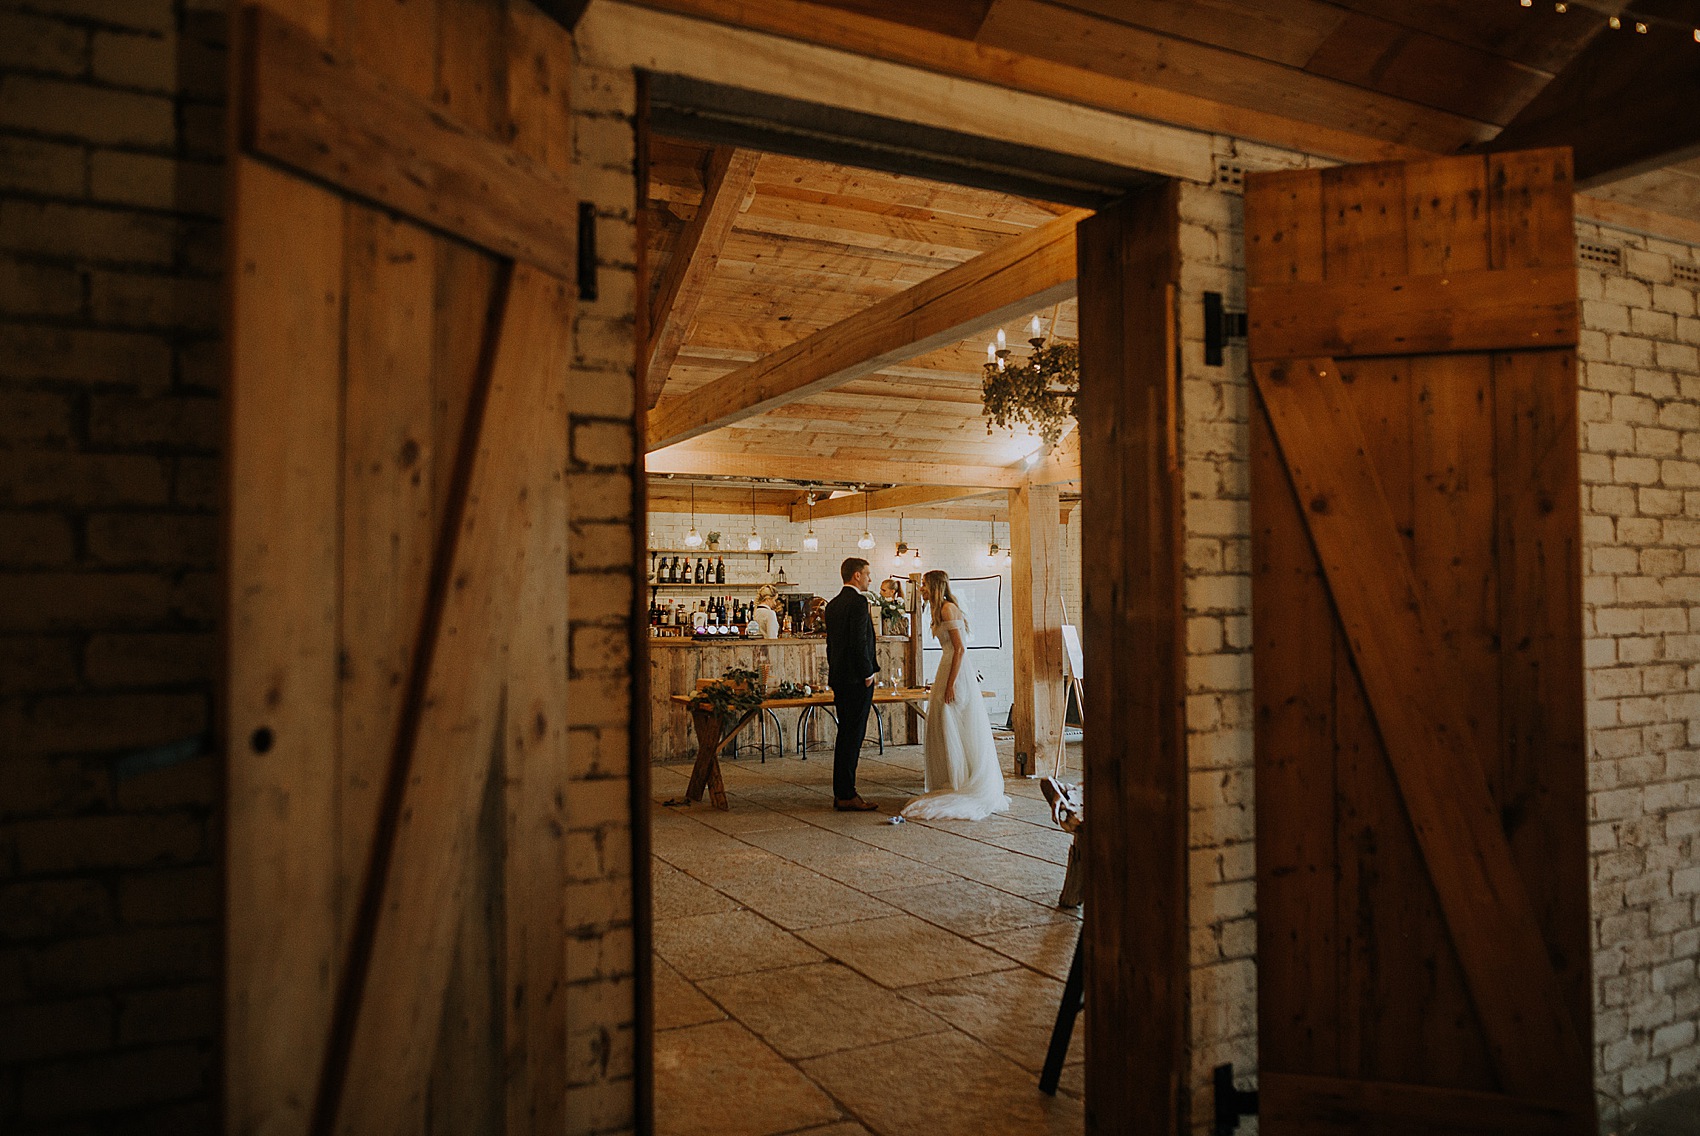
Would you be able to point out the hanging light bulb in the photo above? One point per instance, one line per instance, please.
(993, 552)
(867, 540)
(693, 539)
(811, 542)
(755, 537)
(901, 556)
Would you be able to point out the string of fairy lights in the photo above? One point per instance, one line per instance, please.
(1620, 21)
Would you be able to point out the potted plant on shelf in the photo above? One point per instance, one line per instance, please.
(713, 539)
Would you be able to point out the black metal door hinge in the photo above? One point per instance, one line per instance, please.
(1231, 1103)
(1220, 325)
(587, 250)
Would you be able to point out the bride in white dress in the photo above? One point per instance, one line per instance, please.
(963, 778)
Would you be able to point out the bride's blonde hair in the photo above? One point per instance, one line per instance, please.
(935, 585)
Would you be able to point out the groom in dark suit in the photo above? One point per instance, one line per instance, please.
(851, 667)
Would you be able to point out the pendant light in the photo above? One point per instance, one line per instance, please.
(811, 542)
(755, 537)
(867, 540)
(905, 554)
(993, 552)
(693, 539)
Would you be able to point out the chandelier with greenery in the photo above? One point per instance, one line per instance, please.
(1037, 392)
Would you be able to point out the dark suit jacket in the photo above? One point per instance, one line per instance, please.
(850, 656)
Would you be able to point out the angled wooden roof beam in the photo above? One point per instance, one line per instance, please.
(1027, 272)
(880, 500)
(725, 182)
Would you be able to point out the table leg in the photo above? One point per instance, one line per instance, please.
(710, 741)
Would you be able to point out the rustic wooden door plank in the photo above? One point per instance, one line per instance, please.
(1135, 942)
(1329, 1106)
(448, 747)
(1479, 310)
(535, 759)
(281, 647)
(1432, 746)
(321, 115)
(1298, 984)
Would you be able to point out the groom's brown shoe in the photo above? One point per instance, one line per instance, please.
(854, 805)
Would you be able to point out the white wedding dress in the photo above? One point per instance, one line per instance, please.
(963, 778)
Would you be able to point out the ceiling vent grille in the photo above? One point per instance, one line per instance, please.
(1686, 273)
(1603, 256)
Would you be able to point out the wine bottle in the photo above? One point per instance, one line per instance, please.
(720, 571)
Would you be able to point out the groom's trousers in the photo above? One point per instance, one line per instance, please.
(852, 701)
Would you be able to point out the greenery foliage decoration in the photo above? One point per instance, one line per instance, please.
(730, 696)
(1037, 392)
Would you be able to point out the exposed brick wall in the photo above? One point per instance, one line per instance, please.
(601, 944)
(1640, 411)
(1215, 453)
(110, 133)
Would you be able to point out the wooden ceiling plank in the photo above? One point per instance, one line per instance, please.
(1134, 54)
(1624, 106)
(728, 176)
(617, 33)
(1026, 272)
(1627, 215)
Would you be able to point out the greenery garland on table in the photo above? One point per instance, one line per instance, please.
(730, 696)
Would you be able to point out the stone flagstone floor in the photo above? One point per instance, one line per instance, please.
(833, 974)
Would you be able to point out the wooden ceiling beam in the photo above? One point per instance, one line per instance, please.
(727, 178)
(1624, 106)
(882, 500)
(929, 61)
(1026, 272)
(719, 463)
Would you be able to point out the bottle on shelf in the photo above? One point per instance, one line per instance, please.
(720, 570)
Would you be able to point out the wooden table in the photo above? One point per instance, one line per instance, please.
(711, 740)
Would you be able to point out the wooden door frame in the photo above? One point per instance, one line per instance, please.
(1137, 1040)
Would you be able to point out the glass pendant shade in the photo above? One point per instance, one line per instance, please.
(811, 542)
(754, 542)
(693, 539)
(867, 540)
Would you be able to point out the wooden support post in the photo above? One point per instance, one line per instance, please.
(912, 660)
(1036, 612)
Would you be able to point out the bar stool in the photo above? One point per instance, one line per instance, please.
(808, 713)
(762, 720)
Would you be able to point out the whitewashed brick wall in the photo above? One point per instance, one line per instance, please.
(1640, 423)
(601, 1007)
(1215, 452)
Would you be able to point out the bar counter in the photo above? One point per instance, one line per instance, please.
(676, 664)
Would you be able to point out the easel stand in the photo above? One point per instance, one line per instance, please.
(1073, 1001)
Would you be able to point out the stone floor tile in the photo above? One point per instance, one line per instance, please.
(720, 1080)
(677, 894)
(970, 908)
(942, 1085)
(794, 897)
(1013, 1011)
(679, 1003)
(1013, 872)
(1048, 948)
(1047, 844)
(707, 946)
(903, 950)
(808, 1011)
(747, 816)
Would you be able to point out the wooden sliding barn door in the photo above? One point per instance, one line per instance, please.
(401, 230)
(1421, 824)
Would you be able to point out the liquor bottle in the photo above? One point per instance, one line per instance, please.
(720, 571)
(673, 571)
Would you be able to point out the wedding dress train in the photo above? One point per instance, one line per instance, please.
(963, 778)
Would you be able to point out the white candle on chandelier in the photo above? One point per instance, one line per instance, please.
(1000, 339)
(1034, 327)
(991, 352)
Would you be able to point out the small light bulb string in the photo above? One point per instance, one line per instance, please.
(1642, 23)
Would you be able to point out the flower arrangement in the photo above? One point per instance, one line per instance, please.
(713, 539)
(731, 696)
(1038, 392)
